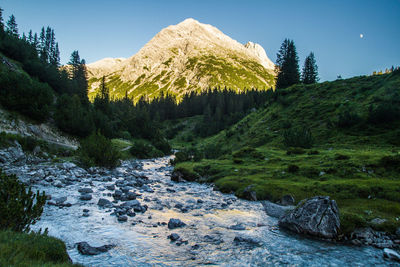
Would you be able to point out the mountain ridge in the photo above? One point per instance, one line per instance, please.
(189, 56)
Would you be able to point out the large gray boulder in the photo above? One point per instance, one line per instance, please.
(317, 216)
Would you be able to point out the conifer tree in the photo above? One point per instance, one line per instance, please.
(78, 74)
(287, 65)
(12, 27)
(310, 70)
(30, 37)
(1, 21)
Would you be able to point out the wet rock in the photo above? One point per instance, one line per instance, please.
(85, 249)
(181, 242)
(200, 201)
(249, 193)
(58, 184)
(147, 189)
(287, 200)
(391, 254)
(85, 190)
(104, 203)
(117, 194)
(60, 200)
(248, 240)
(175, 223)
(215, 239)
(378, 221)
(398, 232)
(173, 237)
(131, 203)
(68, 165)
(131, 195)
(131, 213)
(238, 227)
(122, 218)
(317, 216)
(275, 210)
(110, 187)
(367, 236)
(85, 197)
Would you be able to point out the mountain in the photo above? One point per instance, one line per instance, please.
(189, 56)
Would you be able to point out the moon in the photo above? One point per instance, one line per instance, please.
(361, 35)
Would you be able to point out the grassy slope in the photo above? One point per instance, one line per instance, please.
(363, 188)
(20, 249)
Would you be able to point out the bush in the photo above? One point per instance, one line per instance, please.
(293, 168)
(213, 151)
(19, 208)
(143, 150)
(347, 117)
(390, 162)
(96, 150)
(295, 151)
(384, 112)
(162, 145)
(298, 137)
(341, 157)
(248, 152)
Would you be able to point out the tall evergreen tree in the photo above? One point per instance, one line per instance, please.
(287, 65)
(1, 21)
(78, 74)
(12, 27)
(30, 37)
(310, 70)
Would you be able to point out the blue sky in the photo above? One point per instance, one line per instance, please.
(331, 29)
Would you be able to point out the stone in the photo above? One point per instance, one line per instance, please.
(275, 210)
(85, 190)
(175, 223)
(317, 216)
(238, 227)
(378, 221)
(68, 165)
(104, 203)
(248, 240)
(287, 200)
(131, 203)
(85, 249)
(398, 232)
(85, 197)
(249, 193)
(110, 187)
(391, 254)
(60, 200)
(122, 218)
(173, 237)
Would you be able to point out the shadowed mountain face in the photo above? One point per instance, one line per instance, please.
(190, 56)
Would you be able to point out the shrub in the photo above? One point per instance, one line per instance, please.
(237, 161)
(384, 112)
(19, 208)
(213, 151)
(143, 150)
(98, 150)
(390, 162)
(248, 152)
(349, 222)
(298, 137)
(293, 168)
(162, 145)
(295, 151)
(347, 117)
(341, 157)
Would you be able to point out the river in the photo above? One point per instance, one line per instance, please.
(212, 219)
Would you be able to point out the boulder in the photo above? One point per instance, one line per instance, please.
(85, 197)
(173, 237)
(175, 223)
(391, 254)
(122, 218)
(85, 190)
(275, 210)
(104, 203)
(317, 216)
(85, 249)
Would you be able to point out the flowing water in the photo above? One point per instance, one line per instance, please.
(209, 216)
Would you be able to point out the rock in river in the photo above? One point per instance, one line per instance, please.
(85, 197)
(317, 216)
(391, 254)
(85, 249)
(175, 223)
(104, 203)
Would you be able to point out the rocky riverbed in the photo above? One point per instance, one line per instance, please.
(135, 215)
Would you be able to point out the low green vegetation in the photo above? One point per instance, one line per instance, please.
(319, 139)
(96, 150)
(32, 250)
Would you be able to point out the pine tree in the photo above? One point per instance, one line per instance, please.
(30, 37)
(310, 70)
(12, 27)
(1, 21)
(42, 45)
(287, 65)
(78, 74)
